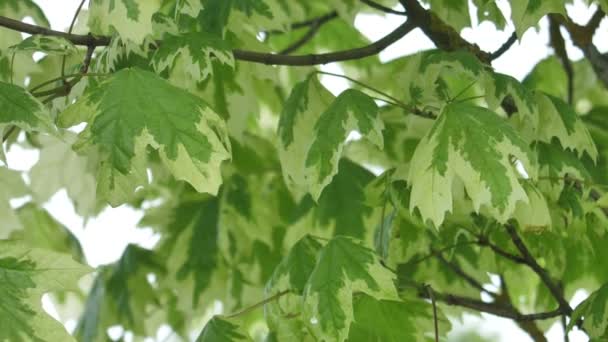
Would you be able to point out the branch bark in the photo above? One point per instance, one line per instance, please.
(553, 287)
(244, 55)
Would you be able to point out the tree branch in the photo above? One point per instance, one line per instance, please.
(244, 55)
(529, 327)
(307, 23)
(461, 273)
(312, 31)
(553, 287)
(559, 47)
(504, 47)
(443, 35)
(582, 37)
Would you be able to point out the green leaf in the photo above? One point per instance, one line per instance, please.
(290, 275)
(190, 137)
(561, 121)
(394, 321)
(527, 13)
(343, 268)
(342, 207)
(594, 310)
(41, 230)
(455, 12)
(498, 86)
(312, 131)
(554, 165)
(19, 108)
(25, 275)
(487, 10)
(221, 329)
(60, 167)
(534, 215)
(474, 145)
(131, 19)
(121, 294)
(47, 44)
(188, 56)
(12, 186)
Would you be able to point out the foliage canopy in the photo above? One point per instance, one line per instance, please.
(464, 190)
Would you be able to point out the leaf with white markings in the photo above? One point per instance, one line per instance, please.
(561, 121)
(46, 44)
(594, 310)
(313, 128)
(25, 275)
(19, 108)
(474, 145)
(188, 55)
(343, 268)
(131, 19)
(134, 109)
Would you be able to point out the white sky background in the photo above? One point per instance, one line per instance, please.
(104, 238)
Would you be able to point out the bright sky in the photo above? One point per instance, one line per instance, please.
(104, 238)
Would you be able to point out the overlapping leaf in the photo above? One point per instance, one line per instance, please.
(131, 19)
(188, 55)
(12, 186)
(343, 268)
(594, 310)
(561, 121)
(221, 329)
(476, 146)
(134, 109)
(25, 275)
(527, 13)
(121, 294)
(312, 131)
(394, 321)
(18, 107)
(47, 44)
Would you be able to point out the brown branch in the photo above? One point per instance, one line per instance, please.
(76, 39)
(553, 287)
(312, 31)
(504, 47)
(344, 55)
(529, 327)
(483, 241)
(582, 37)
(306, 23)
(461, 273)
(493, 308)
(443, 35)
(382, 8)
(559, 46)
(244, 55)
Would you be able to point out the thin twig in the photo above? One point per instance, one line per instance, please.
(382, 8)
(312, 31)
(258, 304)
(8, 133)
(559, 47)
(466, 277)
(70, 32)
(555, 290)
(429, 290)
(504, 47)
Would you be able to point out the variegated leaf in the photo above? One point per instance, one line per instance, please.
(343, 268)
(134, 109)
(474, 145)
(313, 128)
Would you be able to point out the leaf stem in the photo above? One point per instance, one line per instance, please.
(70, 32)
(258, 304)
